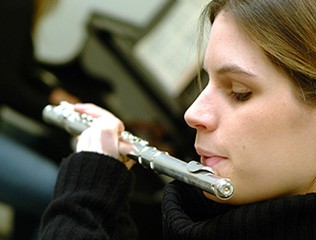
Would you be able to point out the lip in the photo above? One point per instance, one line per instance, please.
(208, 158)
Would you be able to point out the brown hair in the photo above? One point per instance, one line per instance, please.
(286, 32)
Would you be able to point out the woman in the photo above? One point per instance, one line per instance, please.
(255, 123)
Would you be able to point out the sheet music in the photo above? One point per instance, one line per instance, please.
(169, 51)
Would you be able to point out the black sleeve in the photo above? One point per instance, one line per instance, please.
(90, 200)
(17, 59)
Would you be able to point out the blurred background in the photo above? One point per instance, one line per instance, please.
(136, 58)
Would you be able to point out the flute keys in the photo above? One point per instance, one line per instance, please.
(194, 166)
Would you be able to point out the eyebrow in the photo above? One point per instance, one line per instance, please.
(233, 68)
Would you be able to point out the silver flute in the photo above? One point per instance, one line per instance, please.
(192, 173)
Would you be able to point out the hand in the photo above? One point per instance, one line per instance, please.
(103, 135)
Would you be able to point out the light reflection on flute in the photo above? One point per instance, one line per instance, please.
(192, 173)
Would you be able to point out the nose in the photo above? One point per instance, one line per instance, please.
(202, 114)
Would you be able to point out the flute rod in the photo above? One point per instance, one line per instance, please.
(192, 173)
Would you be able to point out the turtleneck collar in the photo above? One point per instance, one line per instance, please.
(187, 214)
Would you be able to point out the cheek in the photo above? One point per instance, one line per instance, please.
(264, 154)
(259, 128)
(263, 137)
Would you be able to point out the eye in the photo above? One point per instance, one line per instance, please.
(241, 96)
(240, 92)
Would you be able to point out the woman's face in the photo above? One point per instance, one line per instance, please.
(249, 125)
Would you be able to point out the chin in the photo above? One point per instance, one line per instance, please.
(216, 199)
(234, 200)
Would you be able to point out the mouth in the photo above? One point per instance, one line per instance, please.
(210, 159)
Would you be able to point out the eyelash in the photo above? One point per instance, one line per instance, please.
(241, 97)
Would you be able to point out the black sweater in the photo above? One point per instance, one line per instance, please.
(91, 202)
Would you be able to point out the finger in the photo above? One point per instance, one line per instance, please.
(100, 140)
(91, 109)
(127, 148)
(109, 122)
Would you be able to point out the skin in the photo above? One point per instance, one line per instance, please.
(249, 125)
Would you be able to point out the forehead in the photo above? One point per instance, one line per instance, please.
(228, 44)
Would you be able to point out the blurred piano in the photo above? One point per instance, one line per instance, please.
(144, 52)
